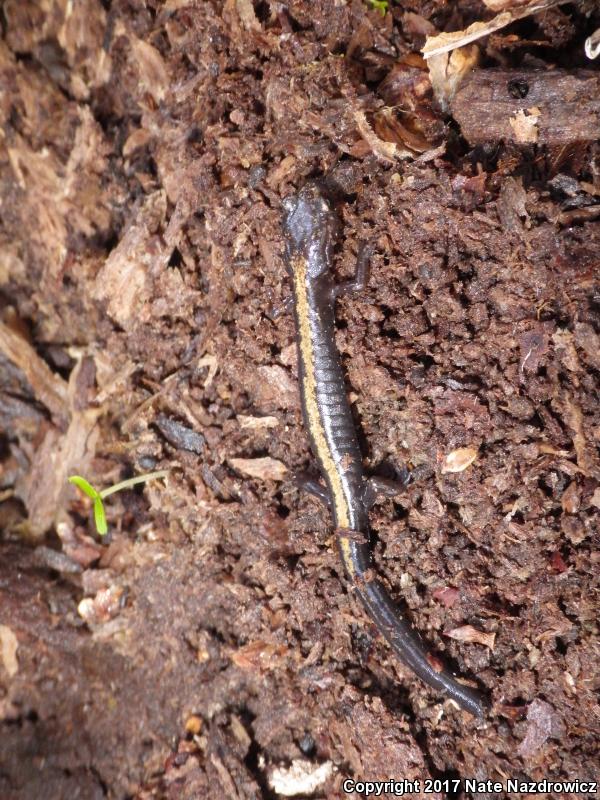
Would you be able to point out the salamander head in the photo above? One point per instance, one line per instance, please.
(310, 227)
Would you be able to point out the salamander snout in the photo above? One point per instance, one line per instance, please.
(310, 226)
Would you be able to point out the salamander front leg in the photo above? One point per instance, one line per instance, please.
(311, 485)
(361, 276)
(376, 486)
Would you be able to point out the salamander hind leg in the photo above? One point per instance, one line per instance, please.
(361, 276)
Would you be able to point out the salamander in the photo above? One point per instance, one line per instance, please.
(310, 227)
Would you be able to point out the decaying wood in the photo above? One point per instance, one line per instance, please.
(49, 388)
(554, 107)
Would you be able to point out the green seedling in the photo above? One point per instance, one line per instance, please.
(97, 497)
(380, 5)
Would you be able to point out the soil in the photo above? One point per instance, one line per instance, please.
(210, 646)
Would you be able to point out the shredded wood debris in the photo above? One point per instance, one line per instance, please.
(48, 387)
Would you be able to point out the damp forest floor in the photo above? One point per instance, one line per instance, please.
(210, 646)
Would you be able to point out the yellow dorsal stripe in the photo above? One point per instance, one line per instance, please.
(313, 415)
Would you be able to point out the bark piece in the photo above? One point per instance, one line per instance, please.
(491, 105)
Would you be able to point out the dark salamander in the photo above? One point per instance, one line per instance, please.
(310, 226)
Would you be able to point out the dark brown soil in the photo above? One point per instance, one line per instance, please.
(211, 642)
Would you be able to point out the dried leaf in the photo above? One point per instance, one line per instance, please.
(586, 458)
(564, 347)
(467, 633)
(267, 469)
(505, 5)
(588, 341)
(447, 71)
(389, 128)
(386, 151)
(45, 489)
(459, 460)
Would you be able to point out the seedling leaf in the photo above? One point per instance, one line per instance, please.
(97, 497)
(85, 487)
(100, 516)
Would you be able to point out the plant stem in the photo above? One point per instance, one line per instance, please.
(161, 473)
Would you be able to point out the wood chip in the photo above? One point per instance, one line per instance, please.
(256, 423)
(459, 460)
(258, 656)
(543, 723)
(9, 645)
(247, 15)
(266, 469)
(467, 633)
(124, 280)
(571, 499)
(525, 125)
